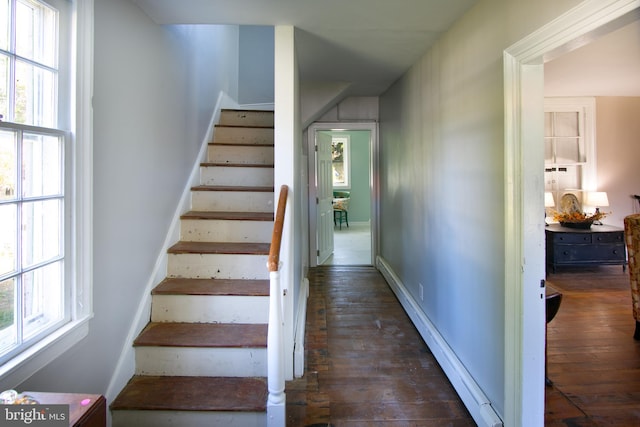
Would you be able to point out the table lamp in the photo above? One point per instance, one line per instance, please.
(597, 199)
(549, 202)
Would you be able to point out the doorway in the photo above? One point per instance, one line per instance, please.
(524, 88)
(336, 243)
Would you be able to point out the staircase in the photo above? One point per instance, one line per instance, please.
(202, 359)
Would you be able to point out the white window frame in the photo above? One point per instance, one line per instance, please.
(79, 254)
(586, 109)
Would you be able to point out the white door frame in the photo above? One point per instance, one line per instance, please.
(524, 189)
(374, 183)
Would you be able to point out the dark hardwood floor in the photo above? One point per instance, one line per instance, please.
(593, 360)
(366, 365)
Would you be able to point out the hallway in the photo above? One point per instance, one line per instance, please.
(351, 245)
(366, 363)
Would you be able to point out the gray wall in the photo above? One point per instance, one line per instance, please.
(442, 181)
(255, 78)
(155, 89)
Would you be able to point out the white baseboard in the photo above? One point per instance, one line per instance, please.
(471, 394)
(125, 367)
(301, 321)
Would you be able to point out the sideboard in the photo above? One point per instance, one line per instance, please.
(85, 410)
(598, 245)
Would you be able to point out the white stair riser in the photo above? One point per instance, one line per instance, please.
(218, 266)
(188, 418)
(232, 201)
(240, 154)
(214, 230)
(204, 362)
(243, 135)
(246, 118)
(236, 176)
(210, 309)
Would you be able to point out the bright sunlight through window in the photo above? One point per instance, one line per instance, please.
(32, 175)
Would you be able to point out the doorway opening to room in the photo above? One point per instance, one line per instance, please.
(524, 156)
(342, 193)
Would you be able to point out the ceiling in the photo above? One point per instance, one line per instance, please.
(608, 66)
(367, 44)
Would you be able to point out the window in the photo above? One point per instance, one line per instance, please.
(340, 161)
(41, 297)
(569, 146)
(31, 251)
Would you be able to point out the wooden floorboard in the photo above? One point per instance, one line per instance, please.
(366, 365)
(593, 360)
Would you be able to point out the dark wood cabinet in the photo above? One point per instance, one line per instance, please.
(85, 410)
(599, 245)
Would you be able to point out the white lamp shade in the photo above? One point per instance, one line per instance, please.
(549, 202)
(597, 199)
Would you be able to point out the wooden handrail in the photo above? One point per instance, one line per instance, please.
(276, 237)
(276, 401)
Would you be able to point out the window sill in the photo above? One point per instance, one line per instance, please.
(41, 354)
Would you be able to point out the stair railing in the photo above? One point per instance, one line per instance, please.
(276, 402)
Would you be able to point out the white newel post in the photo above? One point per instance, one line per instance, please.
(276, 413)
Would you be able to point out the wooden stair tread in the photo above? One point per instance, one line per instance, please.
(241, 144)
(231, 188)
(197, 393)
(235, 287)
(203, 335)
(193, 394)
(235, 165)
(220, 248)
(245, 126)
(247, 110)
(240, 216)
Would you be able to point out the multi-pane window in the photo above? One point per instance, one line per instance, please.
(33, 207)
(29, 60)
(569, 146)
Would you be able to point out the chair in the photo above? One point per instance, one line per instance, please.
(341, 207)
(552, 305)
(632, 240)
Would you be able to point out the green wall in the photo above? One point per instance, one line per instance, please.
(360, 164)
